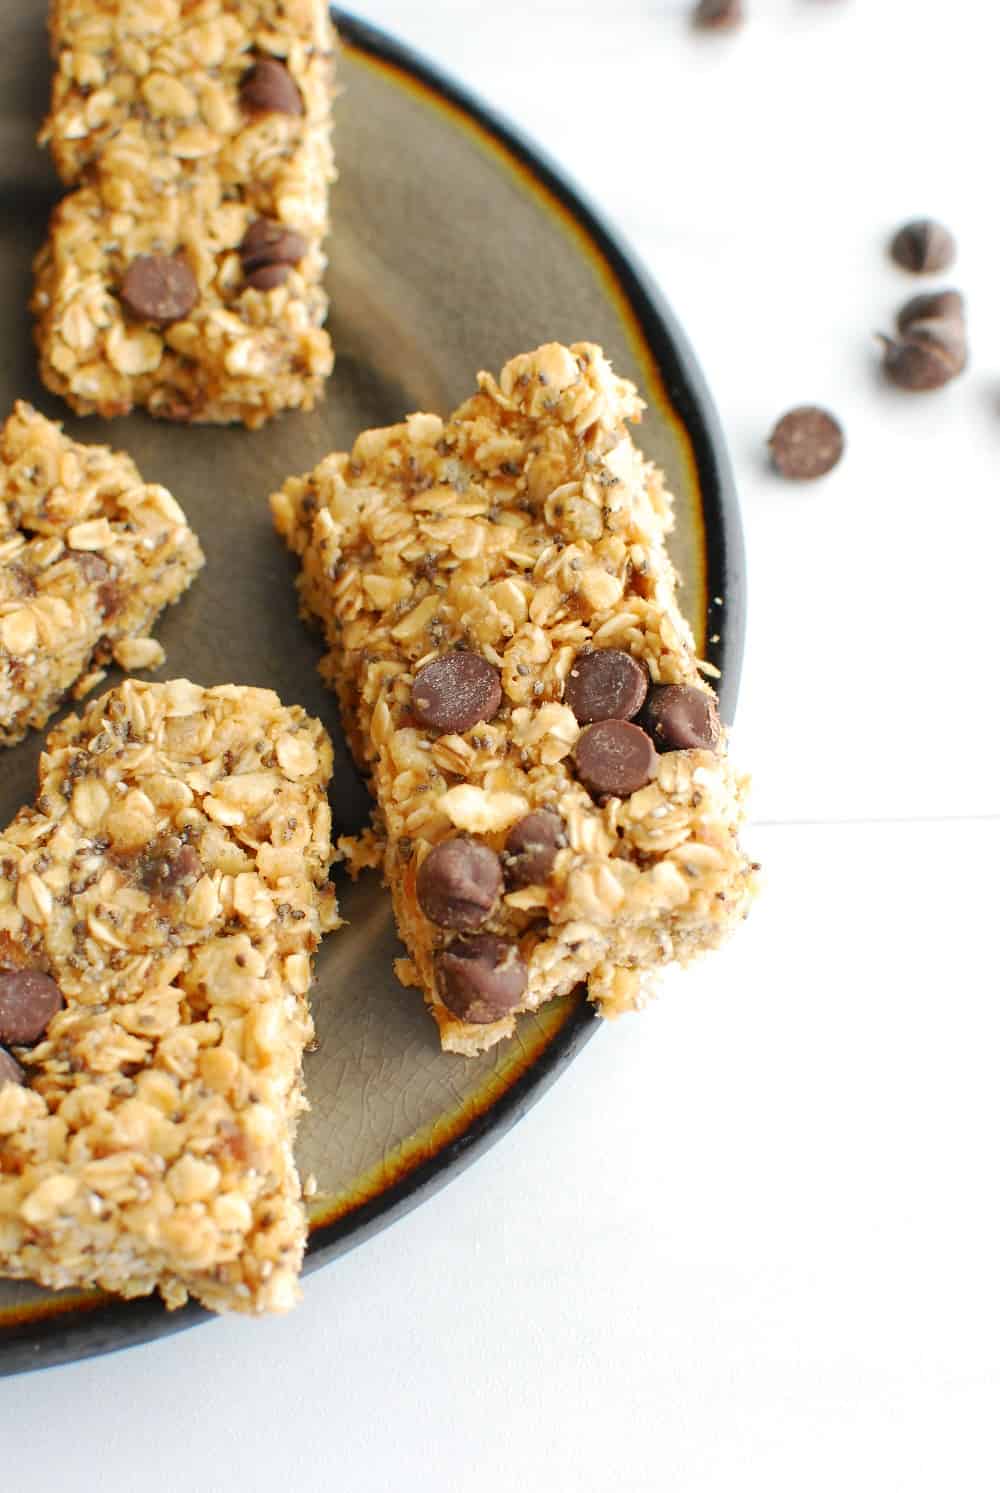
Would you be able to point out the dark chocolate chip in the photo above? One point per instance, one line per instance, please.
(270, 88)
(10, 1069)
(615, 757)
(267, 248)
(679, 717)
(806, 443)
(923, 247)
(932, 353)
(456, 692)
(168, 865)
(933, 305)
(718, 15)
(605, 684)
(269, 276)
(160, 288)
(459, 883)
(480, 978)
(28, 1002)
(532, 846)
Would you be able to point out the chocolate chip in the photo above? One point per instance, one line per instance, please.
(932, 353)
(28, 1002)
(718, 15)
(269, 242)
(679, 717)
(10, 1069)
(605, 684)
(160, 288)
(923, 247)
(481, 978)
(532, 846)
(615, 757)
(456, 692)
(459, 883)
(168, 866)
(806, 443)
(270, 88)
(269, 276)
(934, 305)
(268, 252)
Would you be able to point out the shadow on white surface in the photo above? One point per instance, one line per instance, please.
(750, 1241)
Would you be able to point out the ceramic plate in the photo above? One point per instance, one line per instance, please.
(455, 246)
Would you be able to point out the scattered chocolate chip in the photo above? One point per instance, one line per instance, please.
(168, 865)
(923, 247)
(10, 1069)
(806, 443)
(932, 353)
(481, 978)
(947, 335)
(605, 684)
(532, 846)
(456, 692)
(160, 288)
(268, 252)
(933, 305)
(615, 757)
(28, 1002)
(459, 883)
(718, 15)
(679, 717)
(270, 88)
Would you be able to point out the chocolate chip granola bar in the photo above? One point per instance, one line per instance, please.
(89, 557)
(517, 679)
(184, 272)
(159, 907)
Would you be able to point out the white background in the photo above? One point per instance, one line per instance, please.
(751, 1241)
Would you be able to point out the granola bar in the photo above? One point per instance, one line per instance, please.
(517, 679)
(89, 557)
(184, 273)
(159, 907)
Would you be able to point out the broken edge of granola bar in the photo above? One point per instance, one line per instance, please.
(173, 881)
(89, 557)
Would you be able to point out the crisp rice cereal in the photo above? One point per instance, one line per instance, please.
(525, 529)
(152, 1147)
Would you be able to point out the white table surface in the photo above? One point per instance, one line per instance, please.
(751, 1240)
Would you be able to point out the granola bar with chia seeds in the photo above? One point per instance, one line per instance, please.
(89, 557)
(517, 679)
(184, 273)
(159, 909)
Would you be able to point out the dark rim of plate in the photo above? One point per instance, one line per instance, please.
(87, 1330)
